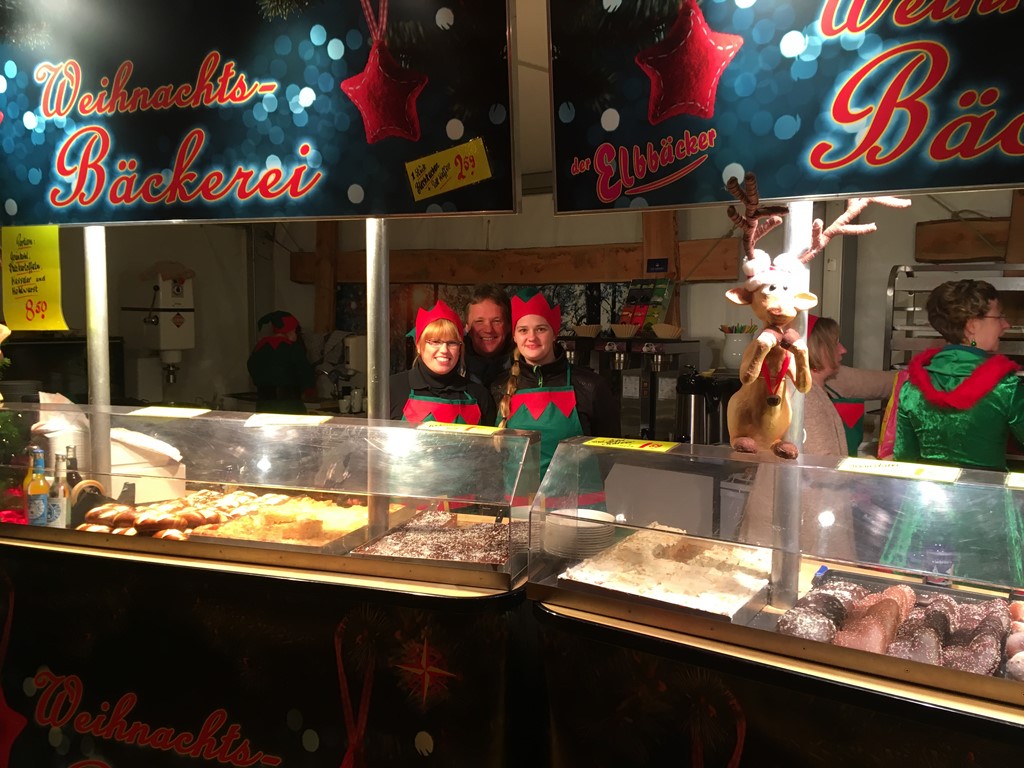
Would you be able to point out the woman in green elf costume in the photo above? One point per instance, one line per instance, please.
(959, 406)
(542, 391)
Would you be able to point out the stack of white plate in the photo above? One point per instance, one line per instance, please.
(577, 533)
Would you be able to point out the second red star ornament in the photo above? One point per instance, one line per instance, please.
(686, 66)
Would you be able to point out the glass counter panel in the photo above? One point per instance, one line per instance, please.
(909, 562)
(375, 492)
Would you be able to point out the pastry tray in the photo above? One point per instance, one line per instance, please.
(338, 546)
(745, 614)
(515, 561)
(924, 591)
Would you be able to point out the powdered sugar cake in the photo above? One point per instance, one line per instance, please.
(663, 565)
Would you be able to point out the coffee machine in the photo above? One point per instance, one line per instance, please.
(703, 406)
(650, 402)
(606, 357)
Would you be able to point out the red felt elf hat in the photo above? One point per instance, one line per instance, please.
(536, 305)
(811, 320)
(439, 311)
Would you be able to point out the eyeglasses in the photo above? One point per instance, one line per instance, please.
(995, 317)
(449, 344)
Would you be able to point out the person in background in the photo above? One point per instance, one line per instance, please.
(488, 350)
(436, 388)
(829, 524)
(959, 406)
(834, 406)
(542, 391)
(962, 400)
(279, 367)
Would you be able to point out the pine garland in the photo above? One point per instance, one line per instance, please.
(581, 41)
(282, 9)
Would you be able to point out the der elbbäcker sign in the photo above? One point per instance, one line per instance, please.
(658, 102)
(155, 110)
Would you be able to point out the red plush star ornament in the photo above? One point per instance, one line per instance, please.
(385, 95)
(686, 66)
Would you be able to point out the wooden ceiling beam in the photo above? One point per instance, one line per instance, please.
(700, 260)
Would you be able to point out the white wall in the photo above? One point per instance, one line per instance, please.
(217, 254)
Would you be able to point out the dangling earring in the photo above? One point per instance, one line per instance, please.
(974, 343)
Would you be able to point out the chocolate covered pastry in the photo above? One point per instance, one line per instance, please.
(808, 624)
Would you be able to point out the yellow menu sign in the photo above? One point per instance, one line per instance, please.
(631, 445)
(448, 169)
(933, 472)
(471, 429)
(31, 279)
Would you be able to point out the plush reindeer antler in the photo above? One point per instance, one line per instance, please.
(755, 222)
(842, 226)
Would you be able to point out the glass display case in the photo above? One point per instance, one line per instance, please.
(907, 572)
(441, 503)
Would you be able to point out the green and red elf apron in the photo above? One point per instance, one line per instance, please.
(548, 410)
(461, 411)
(851, 413)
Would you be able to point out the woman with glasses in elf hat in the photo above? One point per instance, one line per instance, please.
(542, 391)
(958, 407)
(435, 388)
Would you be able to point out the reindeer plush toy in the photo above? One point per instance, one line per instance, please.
(760, 413)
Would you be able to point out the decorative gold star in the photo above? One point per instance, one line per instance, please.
(425, 674)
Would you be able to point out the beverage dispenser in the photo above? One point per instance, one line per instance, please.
(702, 417)
(649, 400)
(158, 324)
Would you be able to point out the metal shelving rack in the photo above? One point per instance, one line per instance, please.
(906, 319)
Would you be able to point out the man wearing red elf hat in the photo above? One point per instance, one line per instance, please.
(436, 387)
(542, 391)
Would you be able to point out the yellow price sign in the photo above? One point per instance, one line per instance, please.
(448, 170)
(466, 429)
(631, 445)
(933, 472)
(31, 279)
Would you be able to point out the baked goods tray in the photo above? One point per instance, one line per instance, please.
(743, 615)
(339, 546)
(924, 591)
(466, 520)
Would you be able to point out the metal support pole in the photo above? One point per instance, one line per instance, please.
(378, 354)
(786, 516)
(97, 347)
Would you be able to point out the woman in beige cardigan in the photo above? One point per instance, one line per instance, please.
(824, 433)
(827, 527)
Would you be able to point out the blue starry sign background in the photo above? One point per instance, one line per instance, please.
(658, 102)
(280, 139)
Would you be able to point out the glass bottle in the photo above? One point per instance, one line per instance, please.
(57, 502)
(32, 450)
(74, 477)
(38, 491)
